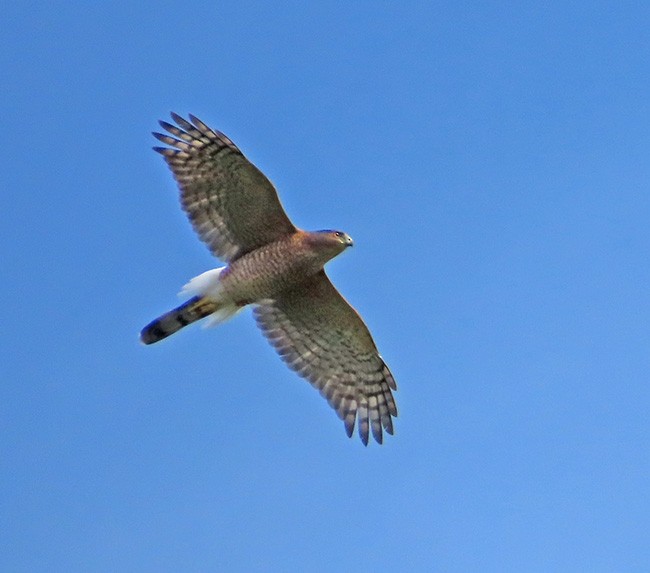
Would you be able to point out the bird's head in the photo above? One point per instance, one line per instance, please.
(337, 238)
(328, 243)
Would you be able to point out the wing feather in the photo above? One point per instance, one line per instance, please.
(232, 206)
(320, 336)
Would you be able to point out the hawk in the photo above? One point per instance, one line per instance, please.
(278, 269)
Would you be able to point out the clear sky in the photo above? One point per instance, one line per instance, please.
(492, 163)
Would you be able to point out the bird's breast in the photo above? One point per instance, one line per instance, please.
(264, 272)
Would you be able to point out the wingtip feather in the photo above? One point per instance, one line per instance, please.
(176, 117)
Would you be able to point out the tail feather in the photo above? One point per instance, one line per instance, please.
(194, 309)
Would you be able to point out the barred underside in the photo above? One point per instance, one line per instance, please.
(235, 210)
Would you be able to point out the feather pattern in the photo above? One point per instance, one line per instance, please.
(232, 206)
(278, 268)
(320, 336)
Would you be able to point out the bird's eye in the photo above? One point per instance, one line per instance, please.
(338, 234)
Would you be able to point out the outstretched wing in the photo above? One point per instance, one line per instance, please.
(320, 336)
(232, 206)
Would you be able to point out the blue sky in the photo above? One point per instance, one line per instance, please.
(491, 163)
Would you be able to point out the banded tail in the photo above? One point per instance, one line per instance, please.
(194, 309)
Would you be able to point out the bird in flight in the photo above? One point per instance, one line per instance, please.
(278, 269)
